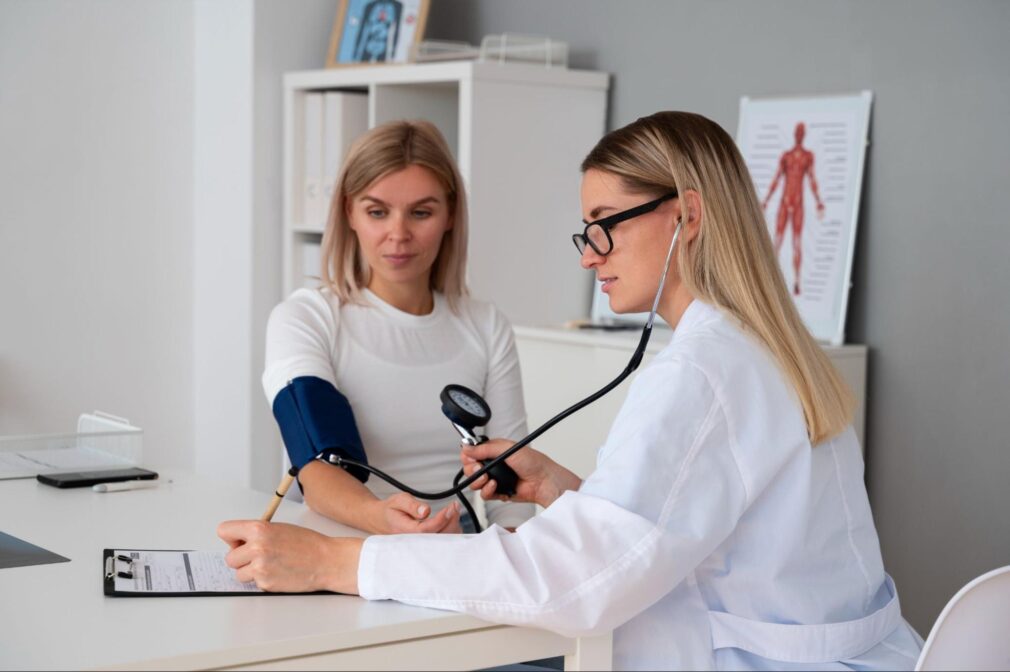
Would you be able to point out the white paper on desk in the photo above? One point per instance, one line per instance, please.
(180, 572)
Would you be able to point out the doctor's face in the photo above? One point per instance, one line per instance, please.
(630, 273)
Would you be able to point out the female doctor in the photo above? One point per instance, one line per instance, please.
(726, 525)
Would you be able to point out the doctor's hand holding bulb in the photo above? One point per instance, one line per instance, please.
(541, 479)
(726, 525)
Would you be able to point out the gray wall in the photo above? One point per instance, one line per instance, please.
(931, 273)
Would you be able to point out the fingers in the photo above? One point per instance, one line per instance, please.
(484, 484)
(413, 508)
(245, 539)
(454, 526)
(245, 574)
(404, 517)
(240, 556)
(488, 491)
(237, 532)
(440, 522)
(472, 469)
(484, 451)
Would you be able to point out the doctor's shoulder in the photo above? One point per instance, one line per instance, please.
(740, 370)
(727, 351)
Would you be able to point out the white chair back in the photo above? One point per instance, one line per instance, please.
(973, 630)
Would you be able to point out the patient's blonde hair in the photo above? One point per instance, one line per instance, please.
(383, 150)
(730, 263)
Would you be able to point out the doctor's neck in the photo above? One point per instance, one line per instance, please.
(674, 302)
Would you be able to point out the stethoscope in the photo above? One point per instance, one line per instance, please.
(467, 410)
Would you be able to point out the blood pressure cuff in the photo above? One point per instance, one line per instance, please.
(314, 417)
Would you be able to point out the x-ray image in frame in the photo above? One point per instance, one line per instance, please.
(376, 31)
(806, 158)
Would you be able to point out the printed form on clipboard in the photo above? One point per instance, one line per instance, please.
(160, 573)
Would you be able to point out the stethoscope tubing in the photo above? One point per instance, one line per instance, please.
(522, 443)
(460, 486)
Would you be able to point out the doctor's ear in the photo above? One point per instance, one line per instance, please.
(691, 205)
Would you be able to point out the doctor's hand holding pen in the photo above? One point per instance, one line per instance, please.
(541, 479)
(286, 558)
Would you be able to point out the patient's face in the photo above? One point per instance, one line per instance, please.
(400, 220)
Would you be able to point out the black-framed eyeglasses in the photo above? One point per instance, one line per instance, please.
(597, 234)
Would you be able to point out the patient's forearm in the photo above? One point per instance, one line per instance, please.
(336, 494)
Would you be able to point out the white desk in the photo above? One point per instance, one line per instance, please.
(56, 617)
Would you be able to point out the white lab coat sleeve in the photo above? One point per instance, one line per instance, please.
(666, 493)
(503, 392)
(300, 337)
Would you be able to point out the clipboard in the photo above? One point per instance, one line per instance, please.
(173, 573)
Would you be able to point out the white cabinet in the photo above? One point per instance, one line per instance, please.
(563, 366)
(518, 132)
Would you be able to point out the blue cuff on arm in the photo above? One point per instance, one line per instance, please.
(314, 417)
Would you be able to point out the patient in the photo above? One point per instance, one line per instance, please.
(390, 326)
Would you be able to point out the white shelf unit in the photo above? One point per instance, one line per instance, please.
(518, 133)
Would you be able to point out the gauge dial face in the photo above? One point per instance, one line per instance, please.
(467, 403)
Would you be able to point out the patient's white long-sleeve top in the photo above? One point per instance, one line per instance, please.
(392, 366)
(712, 535)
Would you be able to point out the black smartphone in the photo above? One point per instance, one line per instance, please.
(81, 479)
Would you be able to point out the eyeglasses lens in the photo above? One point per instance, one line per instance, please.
(598, 239)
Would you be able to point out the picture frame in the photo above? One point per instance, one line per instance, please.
(819, 143)
(373, 32)
(836, 130)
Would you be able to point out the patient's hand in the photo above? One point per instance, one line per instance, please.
(401, 514)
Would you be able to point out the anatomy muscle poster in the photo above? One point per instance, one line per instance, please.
(806, 157)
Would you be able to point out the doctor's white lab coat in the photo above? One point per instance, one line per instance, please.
(712, 535)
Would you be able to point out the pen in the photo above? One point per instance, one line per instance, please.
(125, 485)
(282, 490)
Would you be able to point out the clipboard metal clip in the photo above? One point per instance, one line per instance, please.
(110, 567)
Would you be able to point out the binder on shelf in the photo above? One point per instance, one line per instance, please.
(345, 117)
(312, 195)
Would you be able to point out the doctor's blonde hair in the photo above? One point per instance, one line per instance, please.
(730, 263)
(383, 150)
